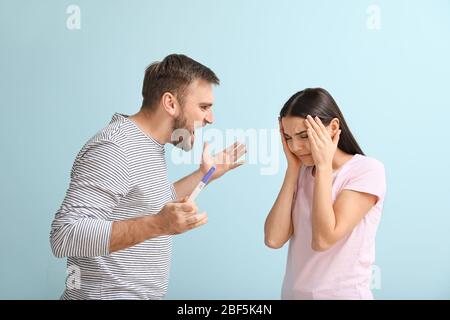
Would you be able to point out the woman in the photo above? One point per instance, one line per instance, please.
(329, 205)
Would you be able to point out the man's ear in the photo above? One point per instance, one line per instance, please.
(168, 103)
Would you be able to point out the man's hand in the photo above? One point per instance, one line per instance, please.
(180, 216)
(224, 161)
(174, 218)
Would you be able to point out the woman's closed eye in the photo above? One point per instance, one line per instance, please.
(301, 135)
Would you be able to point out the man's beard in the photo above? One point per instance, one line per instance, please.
(181, 135)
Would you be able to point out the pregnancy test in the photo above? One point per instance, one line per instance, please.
(201, 184)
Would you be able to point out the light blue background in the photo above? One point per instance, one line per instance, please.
(59, 87)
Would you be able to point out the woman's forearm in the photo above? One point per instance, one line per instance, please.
(278, 227)
(323, 217)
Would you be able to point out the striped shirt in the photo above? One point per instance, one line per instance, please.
(119, 174)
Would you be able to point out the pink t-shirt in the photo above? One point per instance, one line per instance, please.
(343, 271)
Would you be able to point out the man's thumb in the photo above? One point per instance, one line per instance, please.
(181, 200)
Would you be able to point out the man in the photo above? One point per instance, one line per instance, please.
(116, 222)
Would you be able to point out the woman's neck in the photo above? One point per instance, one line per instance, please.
(339, 159)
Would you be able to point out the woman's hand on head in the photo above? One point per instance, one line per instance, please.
(323, 146)
(294, 162)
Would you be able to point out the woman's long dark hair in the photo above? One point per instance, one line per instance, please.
(318, 102)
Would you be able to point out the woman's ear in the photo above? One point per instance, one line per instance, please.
(334, 126)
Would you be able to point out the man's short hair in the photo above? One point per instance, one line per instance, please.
(173, 74)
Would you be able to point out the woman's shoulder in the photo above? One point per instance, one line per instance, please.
(363, 163)
(364, 174)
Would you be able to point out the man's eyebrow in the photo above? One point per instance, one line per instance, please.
(301, 132)
(206, 104)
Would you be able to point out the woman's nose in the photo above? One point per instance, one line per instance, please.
(297, 146)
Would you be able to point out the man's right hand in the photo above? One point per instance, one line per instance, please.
(180, 216)
(174, 218)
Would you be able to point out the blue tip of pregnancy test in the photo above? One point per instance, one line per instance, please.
(208, 175)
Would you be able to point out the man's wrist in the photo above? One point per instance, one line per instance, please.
(200, 174)
(155, 225)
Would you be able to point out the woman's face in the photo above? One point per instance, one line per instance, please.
(295, 132)
(296, 136)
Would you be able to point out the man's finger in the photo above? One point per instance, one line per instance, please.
(181, 200)
(237, 164)
(195, 218)
(239, 152)
(187, 207)
(203, 220)
(206, 147)
(231, 147)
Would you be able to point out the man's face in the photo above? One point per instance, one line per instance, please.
(196, 112)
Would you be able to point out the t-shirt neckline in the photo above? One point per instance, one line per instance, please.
(338, 170)
(126, 118)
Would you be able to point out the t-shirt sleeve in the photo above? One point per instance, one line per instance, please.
(368, 176)
(173, 192)
(99, 180)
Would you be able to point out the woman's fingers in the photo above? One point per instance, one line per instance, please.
(321, 126)
(313, 139)
(313, 134)
(336, 137)
(283, 138)
(281, 130)
(314, 125)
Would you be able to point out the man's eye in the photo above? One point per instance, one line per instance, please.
(304, 136)
(287, 138)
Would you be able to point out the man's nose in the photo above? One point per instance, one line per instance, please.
(209, 117)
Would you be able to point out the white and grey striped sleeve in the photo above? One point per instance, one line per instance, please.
(99, 179)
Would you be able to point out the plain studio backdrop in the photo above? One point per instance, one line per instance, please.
(67, 66)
